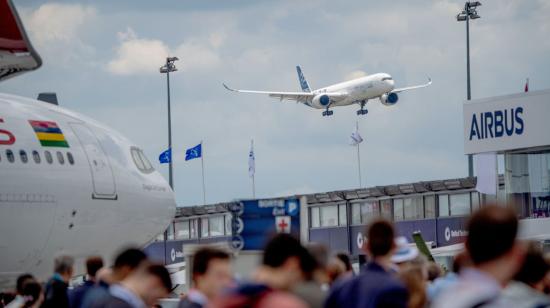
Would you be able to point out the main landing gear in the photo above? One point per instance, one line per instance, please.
(362, 111)
(328, 113)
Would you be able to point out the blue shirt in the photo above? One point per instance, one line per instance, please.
(373, 287)
(76, 295)
(126, 295)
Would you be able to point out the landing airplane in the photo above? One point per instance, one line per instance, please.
(68, 184)
(356, 91)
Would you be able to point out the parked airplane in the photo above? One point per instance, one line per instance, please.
(356, 91)
(68, 184)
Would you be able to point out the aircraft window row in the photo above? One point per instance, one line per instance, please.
(141, 161)
(36, 158)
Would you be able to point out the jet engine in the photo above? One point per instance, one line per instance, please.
(389, 99)
(321, 101)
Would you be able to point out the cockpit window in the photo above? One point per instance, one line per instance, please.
(141, 162)
(387, 78)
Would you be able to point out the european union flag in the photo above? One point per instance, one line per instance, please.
(194, 152)
(165, 157)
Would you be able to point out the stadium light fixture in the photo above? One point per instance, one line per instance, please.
(468, 13)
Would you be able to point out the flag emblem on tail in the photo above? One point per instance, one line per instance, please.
(49, 134)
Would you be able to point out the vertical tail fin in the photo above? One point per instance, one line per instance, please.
(303, 81)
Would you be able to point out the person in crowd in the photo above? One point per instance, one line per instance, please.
(30, 295)
(344, 257)
(336, 271)
(313, 289)
(56, 288)
(547, 277)
(527, 288)
(76, 295)
(284, 263)
(18, 299)
(413, 278)
(434, 271)
(140, 289)
(404, 253)
(125, 263)
(376, 285)
(461, 260)
(496, 256)
(211, 274)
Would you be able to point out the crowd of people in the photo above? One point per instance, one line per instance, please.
(496, 269)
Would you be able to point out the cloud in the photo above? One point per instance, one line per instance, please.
(137, 55)
(56, 30)
(55, 22)
(355, 74)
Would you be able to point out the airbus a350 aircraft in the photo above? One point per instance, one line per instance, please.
(356, 91)
(68, 184)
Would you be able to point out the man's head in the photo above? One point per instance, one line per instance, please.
(127, 262)
(93, 264)
(491, 241)
(344, 257)
(63, 265)
(151, 282)
(21, 280)
(288, 261)
(534, 269)
(380, 239)
(32, 291)
(211, 271)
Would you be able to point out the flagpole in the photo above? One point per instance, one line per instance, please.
(254, 173)
(202, 166)
(358, 156)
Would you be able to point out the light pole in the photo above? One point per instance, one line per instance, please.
(168, 67)
(468, 13)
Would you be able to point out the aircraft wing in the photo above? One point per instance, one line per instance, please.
(413, 87)
(292, 96)
(16, 52)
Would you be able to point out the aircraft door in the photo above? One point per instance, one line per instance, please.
(102, 174)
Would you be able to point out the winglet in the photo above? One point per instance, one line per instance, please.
(429, 80)
(228, 88)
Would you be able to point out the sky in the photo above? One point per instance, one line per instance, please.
(102, 58)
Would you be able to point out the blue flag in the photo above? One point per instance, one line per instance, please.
(165, 157)
(194, 152)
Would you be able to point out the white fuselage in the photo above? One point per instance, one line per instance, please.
(357, 90)
(106, 199)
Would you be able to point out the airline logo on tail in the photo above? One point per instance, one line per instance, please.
(49, 134)
(303, 81)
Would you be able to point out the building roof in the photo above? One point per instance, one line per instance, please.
(346, 195)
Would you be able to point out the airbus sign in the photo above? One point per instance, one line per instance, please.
(510, 122)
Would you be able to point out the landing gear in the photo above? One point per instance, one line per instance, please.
(362, 111)
(328, 113)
